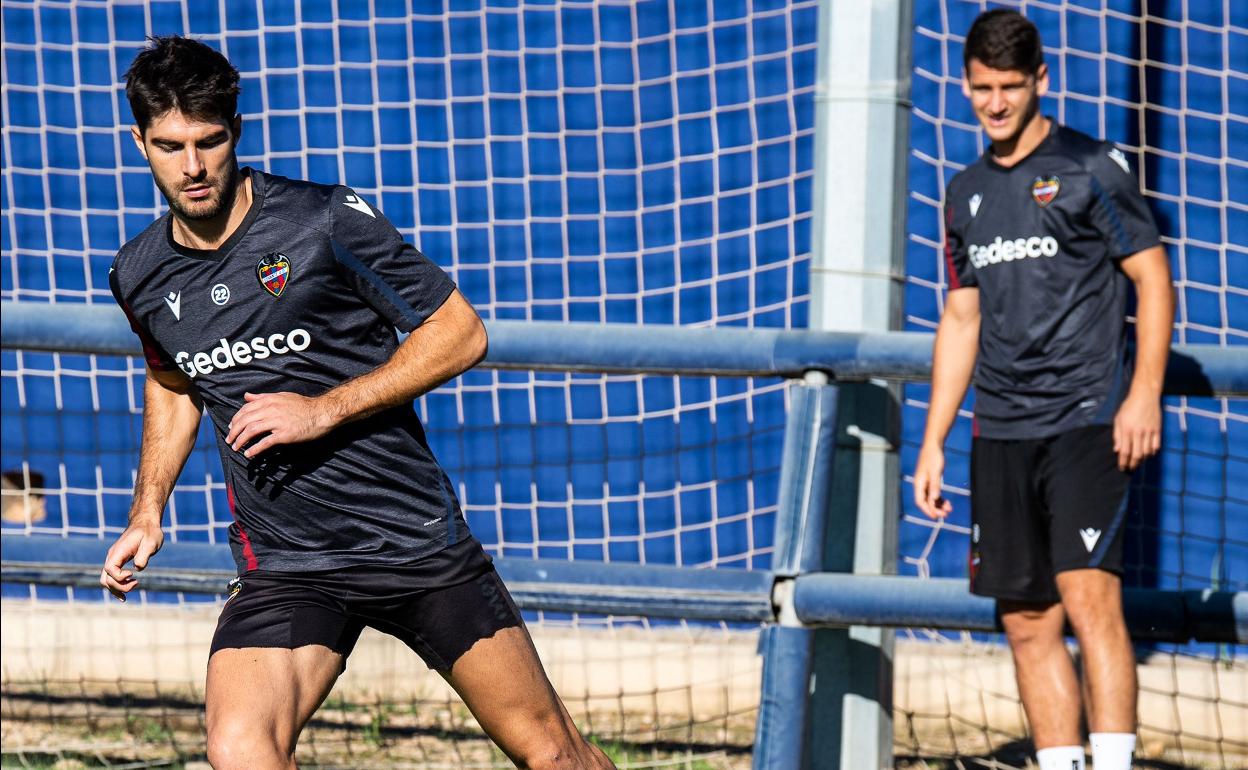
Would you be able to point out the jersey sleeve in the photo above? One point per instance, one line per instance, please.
(154, 354)
(1119, 210)
(391, 275)
(957, 265)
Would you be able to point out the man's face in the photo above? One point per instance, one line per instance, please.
(1004, 101)
(193, 162)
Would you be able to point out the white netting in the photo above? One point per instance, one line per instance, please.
(615, 162)
(595, 162)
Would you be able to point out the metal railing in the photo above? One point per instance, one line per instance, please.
(792, 597)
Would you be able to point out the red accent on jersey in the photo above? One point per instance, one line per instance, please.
(248, 552)
(954, 282)
(151, 351)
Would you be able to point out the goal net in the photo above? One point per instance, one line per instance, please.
(607, 162)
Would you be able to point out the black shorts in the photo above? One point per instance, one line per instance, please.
(1044, 506)
(439, 606)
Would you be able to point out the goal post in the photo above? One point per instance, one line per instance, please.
(857, 278)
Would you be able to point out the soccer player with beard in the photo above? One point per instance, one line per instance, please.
(272, 303)
(1044, 235)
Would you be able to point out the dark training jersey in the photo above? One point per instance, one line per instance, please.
(1041, 240)
(303, 296)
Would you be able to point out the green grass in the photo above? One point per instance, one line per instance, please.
(52, 762)
(373, 731)
(626, 755)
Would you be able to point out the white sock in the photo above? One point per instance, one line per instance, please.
(1061, 758)
(1112, 751)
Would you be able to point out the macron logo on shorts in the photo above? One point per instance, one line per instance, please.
(1090, 536)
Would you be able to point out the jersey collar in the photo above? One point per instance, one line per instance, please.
(991, 162)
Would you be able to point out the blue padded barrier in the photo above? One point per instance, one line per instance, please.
(1193, 370)
(819, 599)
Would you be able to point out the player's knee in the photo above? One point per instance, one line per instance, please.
(1024, 634)
(547, 752)
(1092, 606)
(555, 744)
(1093, 622)
(240, 746)
(224, 754)
(1030, 626)
(568, 756)
(545, 756)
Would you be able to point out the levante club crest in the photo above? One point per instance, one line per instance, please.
(274, 273)
(1044, 189)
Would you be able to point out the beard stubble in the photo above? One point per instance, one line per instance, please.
(226, 190)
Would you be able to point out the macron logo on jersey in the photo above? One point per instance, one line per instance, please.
(227, 355)
(1002, 250)
(357, 203)
(1117, 156)
(174, 301)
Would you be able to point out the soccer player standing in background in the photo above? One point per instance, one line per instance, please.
(272, 303)
(1043, 235)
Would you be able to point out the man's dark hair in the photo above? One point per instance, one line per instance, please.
(177, 72)
(1004, 40)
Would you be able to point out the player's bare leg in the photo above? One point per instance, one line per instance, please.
(1046, 676)
(502, 681)
(1093, 602)
(259, 698)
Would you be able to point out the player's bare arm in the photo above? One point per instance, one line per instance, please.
(448, 343)
(1137, 425)
(953, 363)
(171, 415)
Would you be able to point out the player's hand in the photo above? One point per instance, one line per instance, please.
(927, 479)
(1137, 430)
(270, 419)
(141, 540)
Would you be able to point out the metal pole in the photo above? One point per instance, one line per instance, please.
(801, 521)
(857, 279)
